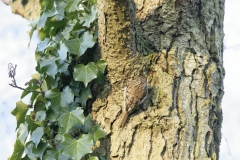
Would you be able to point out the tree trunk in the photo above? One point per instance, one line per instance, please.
(28, 9)
(179, 44)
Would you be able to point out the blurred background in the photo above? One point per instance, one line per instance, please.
(14, 49)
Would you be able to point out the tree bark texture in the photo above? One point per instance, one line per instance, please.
(179, 44)
(28, 9)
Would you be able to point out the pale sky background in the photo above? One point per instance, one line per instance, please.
(14, 49)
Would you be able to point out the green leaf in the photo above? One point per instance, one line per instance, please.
(79, 46)
(37, 135)
(86, 73)
(51, 69)
(30, 123)
(52, 154)
(75, 86)
(51, 115)
(22, 132)
(68, 120)
(62, 51)
(33, 24)
(96, 132)
(42, 45)
(85, 95)
(77, 148)
(101, 64)
(46, 13)
(62, 67)
(92, 2)
(68, 29)
(25, 157)
(20, 112)
(18, 150)
(73, 46)
(60, 5)
(87, 41)
(40, 104)
(50, 82)
(63, 98)
(40, 116)
(72, 5)
(66, 96)
(32, 151)
(93, 158)
(47, 60)
(89, 18)
(32, 85)
(87, 125)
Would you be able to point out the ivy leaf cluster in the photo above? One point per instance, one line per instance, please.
(56, 123)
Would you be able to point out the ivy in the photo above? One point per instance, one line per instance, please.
(55, 124)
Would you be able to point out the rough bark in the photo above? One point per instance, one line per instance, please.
(180, 45)
(29, 9)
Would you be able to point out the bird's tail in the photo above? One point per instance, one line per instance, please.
(124, 119)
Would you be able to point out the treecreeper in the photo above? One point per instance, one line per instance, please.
(135, 93)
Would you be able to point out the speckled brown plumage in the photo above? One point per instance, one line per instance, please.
(134, 94)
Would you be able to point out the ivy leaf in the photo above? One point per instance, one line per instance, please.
(68, 29)
(42, 45)
(18, 150)
(51, 69)
(72, 5)
(46, 13)
(87, 42)
(32, 151)
(89, 18)
(85, 95)
(22, 132)
(40, 116)
(101, 64)
(96, 132)
(73, 46)
(37, 135)
(47, 60)
(63, 98)
(79, 46)
(40, 104)
(32, 85)
(92, 2)
(62, 51)
(52, 153)
(60, 5)
(20, 112)
(93, 158)
(68, 120)
(33, 25)
(77, 148)
(86, 73)
(30, 123)
(88, 124)
(66, 96)
(62, 67)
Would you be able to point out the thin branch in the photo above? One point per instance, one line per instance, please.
(15, 86)
(12, 74)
